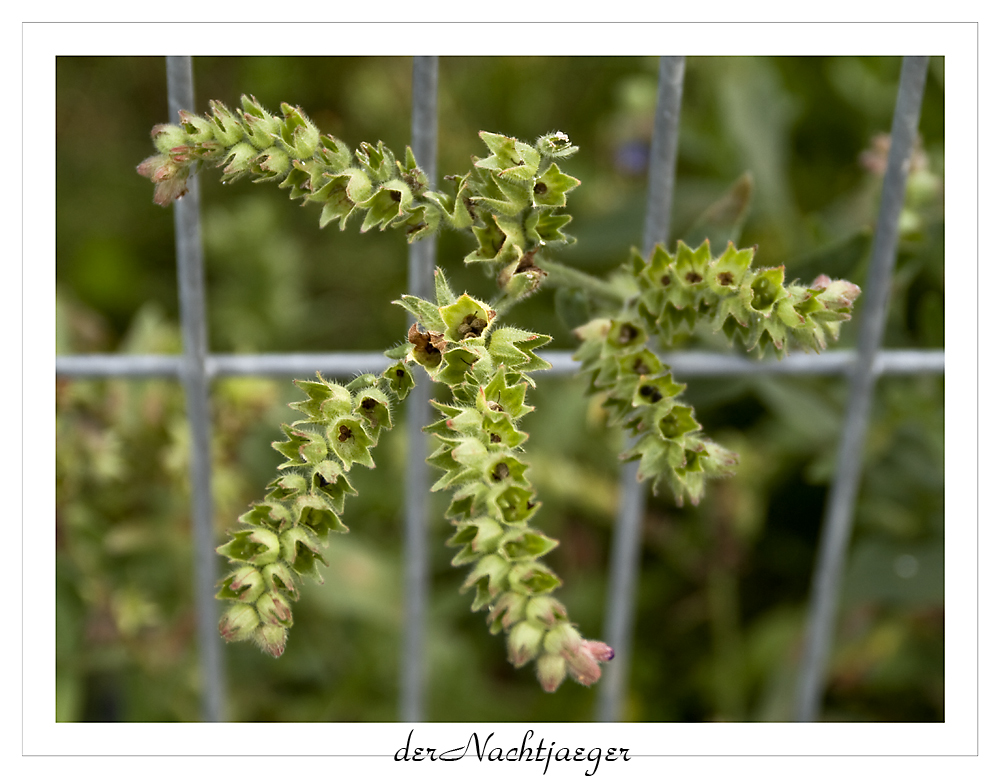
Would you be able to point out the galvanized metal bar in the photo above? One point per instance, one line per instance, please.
(687, 364)
(839, 513)
(624, 570)
(191, 287)
(413, 675)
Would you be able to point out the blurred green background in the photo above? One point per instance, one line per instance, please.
(723, 586)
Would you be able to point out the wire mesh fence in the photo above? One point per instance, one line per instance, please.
(197, 368)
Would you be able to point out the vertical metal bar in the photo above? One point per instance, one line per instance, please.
(421, 284)
(620, 603)
(191, 288)
(841, 499)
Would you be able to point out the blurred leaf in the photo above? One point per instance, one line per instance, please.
(723, 220)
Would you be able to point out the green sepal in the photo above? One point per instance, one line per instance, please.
(330, 480)
(386, 205)
(270, 515)
(228, 128)
(237, 162)
(482, 535)
(300, 550)
(326, 400)
(504, 152)
(519, 545)
(301, 447)
(270, 165)
(399, 377)
(504, 468)
(533, 578)
(262, 128)
(726, 274)
(349, 440)
(427, 314)
(244, 584)
(511, 503)
(373, 406)
(466, 318)
(456, 473)
(493, 569)
(285, 486)
(768, 288)
(457, 363)
(497, 397)
(556, 145)
(278, 577)
(653, 390)
(298, 135)
(515, 348)
(442, 290)
(318, 514)
(675, 422)
(490, 239)
(544, 228)
(378, 161)
(550, 189)
(258, 546)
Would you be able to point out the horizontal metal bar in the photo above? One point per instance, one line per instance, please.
(685, 364)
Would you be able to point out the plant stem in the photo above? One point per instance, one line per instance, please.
(561, 275)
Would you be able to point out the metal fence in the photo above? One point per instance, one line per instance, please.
(196, 369)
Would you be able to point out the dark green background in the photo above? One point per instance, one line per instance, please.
(723, 586)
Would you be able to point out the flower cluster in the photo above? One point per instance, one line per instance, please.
(290, 151)
(282, 536)
(753, 306)
(511, 201)
(459, 343)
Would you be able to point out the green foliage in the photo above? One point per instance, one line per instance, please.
(508, 203)
(723, 586)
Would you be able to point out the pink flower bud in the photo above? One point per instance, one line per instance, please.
(582, 662)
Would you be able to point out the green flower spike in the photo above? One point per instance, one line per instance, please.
(485, 365)
(282, 537)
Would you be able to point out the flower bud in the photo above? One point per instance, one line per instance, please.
(524, 642)
(271, 638)
(239, 622)
(237, 162)
(556, 144)
(838, 294)
(168, 136)
(274, 609)
(299, 135)
(582, 662)
(562, 638)
(509, 609)
(247, 583)
(548, 610)
(228, 129)
(277, 575)
(262, 128)
(170, 179)
(551, 670)
(196, 128)
(270, 165)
